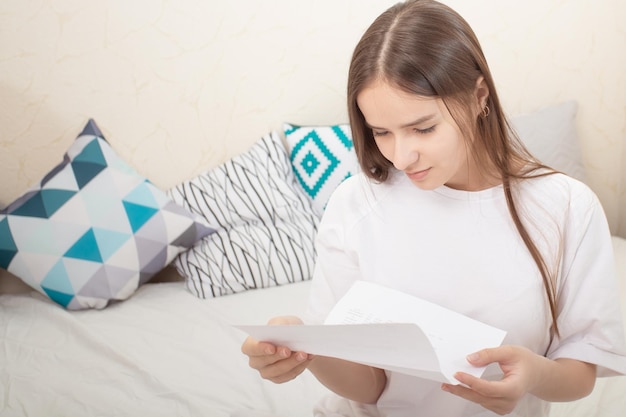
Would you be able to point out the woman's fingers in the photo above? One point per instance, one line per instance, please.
(253, 347)
(500, 396)
(481, 386)
(276, 363)
(286, 369)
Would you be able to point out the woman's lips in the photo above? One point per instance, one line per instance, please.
(418, 175)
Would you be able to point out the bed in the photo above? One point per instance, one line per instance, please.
(166, 344)
(209, 160)
(168, 353)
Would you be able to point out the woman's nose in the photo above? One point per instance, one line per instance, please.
(405, 153)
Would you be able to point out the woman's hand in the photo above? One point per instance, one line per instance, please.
(519, 366)
(279, 364)
(276, 363)
(524, 372)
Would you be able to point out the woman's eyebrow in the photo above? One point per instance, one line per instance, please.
(413, 123)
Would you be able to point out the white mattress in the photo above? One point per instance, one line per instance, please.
(166, 353)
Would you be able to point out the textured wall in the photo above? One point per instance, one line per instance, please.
(179, 86)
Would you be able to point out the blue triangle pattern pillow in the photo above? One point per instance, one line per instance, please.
(93, 229)
(321, 157)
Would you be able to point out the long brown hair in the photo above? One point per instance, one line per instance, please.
(425, 48)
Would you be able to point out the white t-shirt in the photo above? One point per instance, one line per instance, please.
(462, 251)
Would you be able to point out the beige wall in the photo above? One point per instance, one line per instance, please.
(180, 86)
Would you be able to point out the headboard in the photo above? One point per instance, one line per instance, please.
(178, 87)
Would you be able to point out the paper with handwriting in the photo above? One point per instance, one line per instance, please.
(388, 329)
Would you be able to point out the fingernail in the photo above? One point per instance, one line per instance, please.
(301, 356)
(472, 357)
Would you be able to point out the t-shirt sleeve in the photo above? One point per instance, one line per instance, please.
(337, 265)
(589, 314)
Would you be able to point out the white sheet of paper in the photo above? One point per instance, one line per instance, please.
(388, 329)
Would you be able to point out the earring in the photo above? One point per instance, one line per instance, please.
(485, 111)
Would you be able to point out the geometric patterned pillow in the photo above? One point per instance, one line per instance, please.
(93, 230)
(322, 157)
(266, 225)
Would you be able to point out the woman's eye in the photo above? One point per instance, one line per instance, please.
(425, 131)
(377, 133)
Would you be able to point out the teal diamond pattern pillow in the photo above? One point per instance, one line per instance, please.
(322, 157)
(93, 230)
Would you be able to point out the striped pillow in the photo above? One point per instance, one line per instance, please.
(267, 224)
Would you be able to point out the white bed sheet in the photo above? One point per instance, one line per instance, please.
(166, 353)
(161, 353)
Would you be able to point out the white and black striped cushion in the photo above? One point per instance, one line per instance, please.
(267, 224)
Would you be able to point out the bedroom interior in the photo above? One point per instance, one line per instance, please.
(178, 98)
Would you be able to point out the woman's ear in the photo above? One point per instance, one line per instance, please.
(481, 93)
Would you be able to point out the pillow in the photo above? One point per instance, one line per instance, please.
(550, 135)
(322, 157)
(267, 225)
(93, 230)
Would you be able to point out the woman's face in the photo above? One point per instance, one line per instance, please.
(419, 136)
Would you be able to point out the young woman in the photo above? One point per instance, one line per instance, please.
(450, 207)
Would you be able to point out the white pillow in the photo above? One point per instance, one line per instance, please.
(550, 135)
